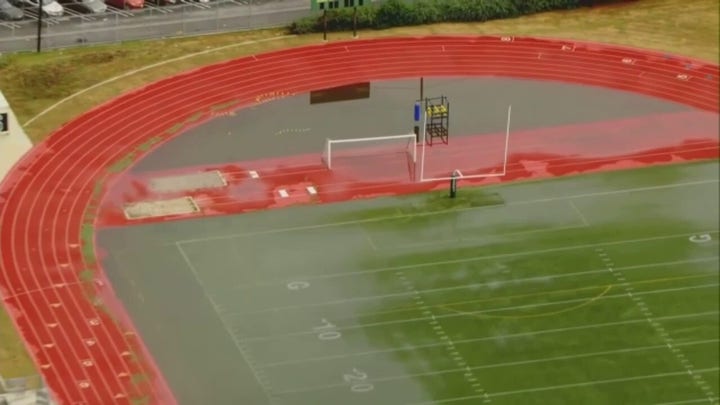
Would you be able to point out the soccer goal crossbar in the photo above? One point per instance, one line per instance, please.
(378, 146)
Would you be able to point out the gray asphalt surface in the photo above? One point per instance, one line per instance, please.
(185, 19)
(293, 126)
(196, 353)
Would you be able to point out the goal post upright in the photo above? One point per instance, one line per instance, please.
(456, 173)
(507, 140)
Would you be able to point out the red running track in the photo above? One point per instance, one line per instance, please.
(76, 330)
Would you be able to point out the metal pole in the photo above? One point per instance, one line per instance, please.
(422, 85)
(250, 14)
(39, 27)
(325, 25)
(355, 22)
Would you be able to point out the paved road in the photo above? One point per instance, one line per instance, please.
(154, 22)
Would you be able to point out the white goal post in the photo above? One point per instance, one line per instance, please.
(457, 172)
(374, 146)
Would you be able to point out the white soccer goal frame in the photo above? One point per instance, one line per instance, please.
(460, 175)
(327, 156)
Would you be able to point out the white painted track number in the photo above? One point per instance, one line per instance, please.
(358, 381)
(704, 238)
(297, 285)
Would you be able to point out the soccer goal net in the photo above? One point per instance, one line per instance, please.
(378, 151)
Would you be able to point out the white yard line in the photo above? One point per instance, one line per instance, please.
(579, 213)
(144, 68)
(566, 386)
(307, 278)
(459, 314)
(442, 336)
(500, 365)
(486, 338)
(689, 401)
(460, 287)
(438, 242)
(659, 329)
(259, 375)
(400, 216)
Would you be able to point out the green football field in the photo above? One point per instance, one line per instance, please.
(593, 289)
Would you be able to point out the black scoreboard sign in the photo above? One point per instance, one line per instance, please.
(4, 123)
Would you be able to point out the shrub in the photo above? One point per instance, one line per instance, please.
(396, 13)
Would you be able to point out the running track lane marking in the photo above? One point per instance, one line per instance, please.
(259, 375)
(574, 385)
(507, 364)
(154, 65)
(391, 217)
(485, 338)
(659, 329)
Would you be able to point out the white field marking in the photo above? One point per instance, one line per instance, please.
(565, 386)
(259, 375)
(500, 365)
(396, 247)
(458, 314)
(283, 193)
(440, 331)
(311, 190)
(371, 242)
(464, 260)
(154, 65)
(470, 286)
(659, 329)
(254, 174)
(579, 213)
(486, 338)
(689, 401)
(440, 212)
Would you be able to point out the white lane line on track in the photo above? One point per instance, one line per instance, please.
(458, 314)
(469, 259)
(458, 287)
(144, 68)
(440, 212)
(485, 338)
(504, 364)
(565, 386)
(659, 329)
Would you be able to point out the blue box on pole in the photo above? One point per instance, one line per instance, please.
(417, 112)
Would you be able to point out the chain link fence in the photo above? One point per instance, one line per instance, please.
(188, 17)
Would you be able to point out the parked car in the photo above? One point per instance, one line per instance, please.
(50, 8)
(10, 12)
(85, 6)
(126, 3)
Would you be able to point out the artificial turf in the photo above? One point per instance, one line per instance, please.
(590, 289)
